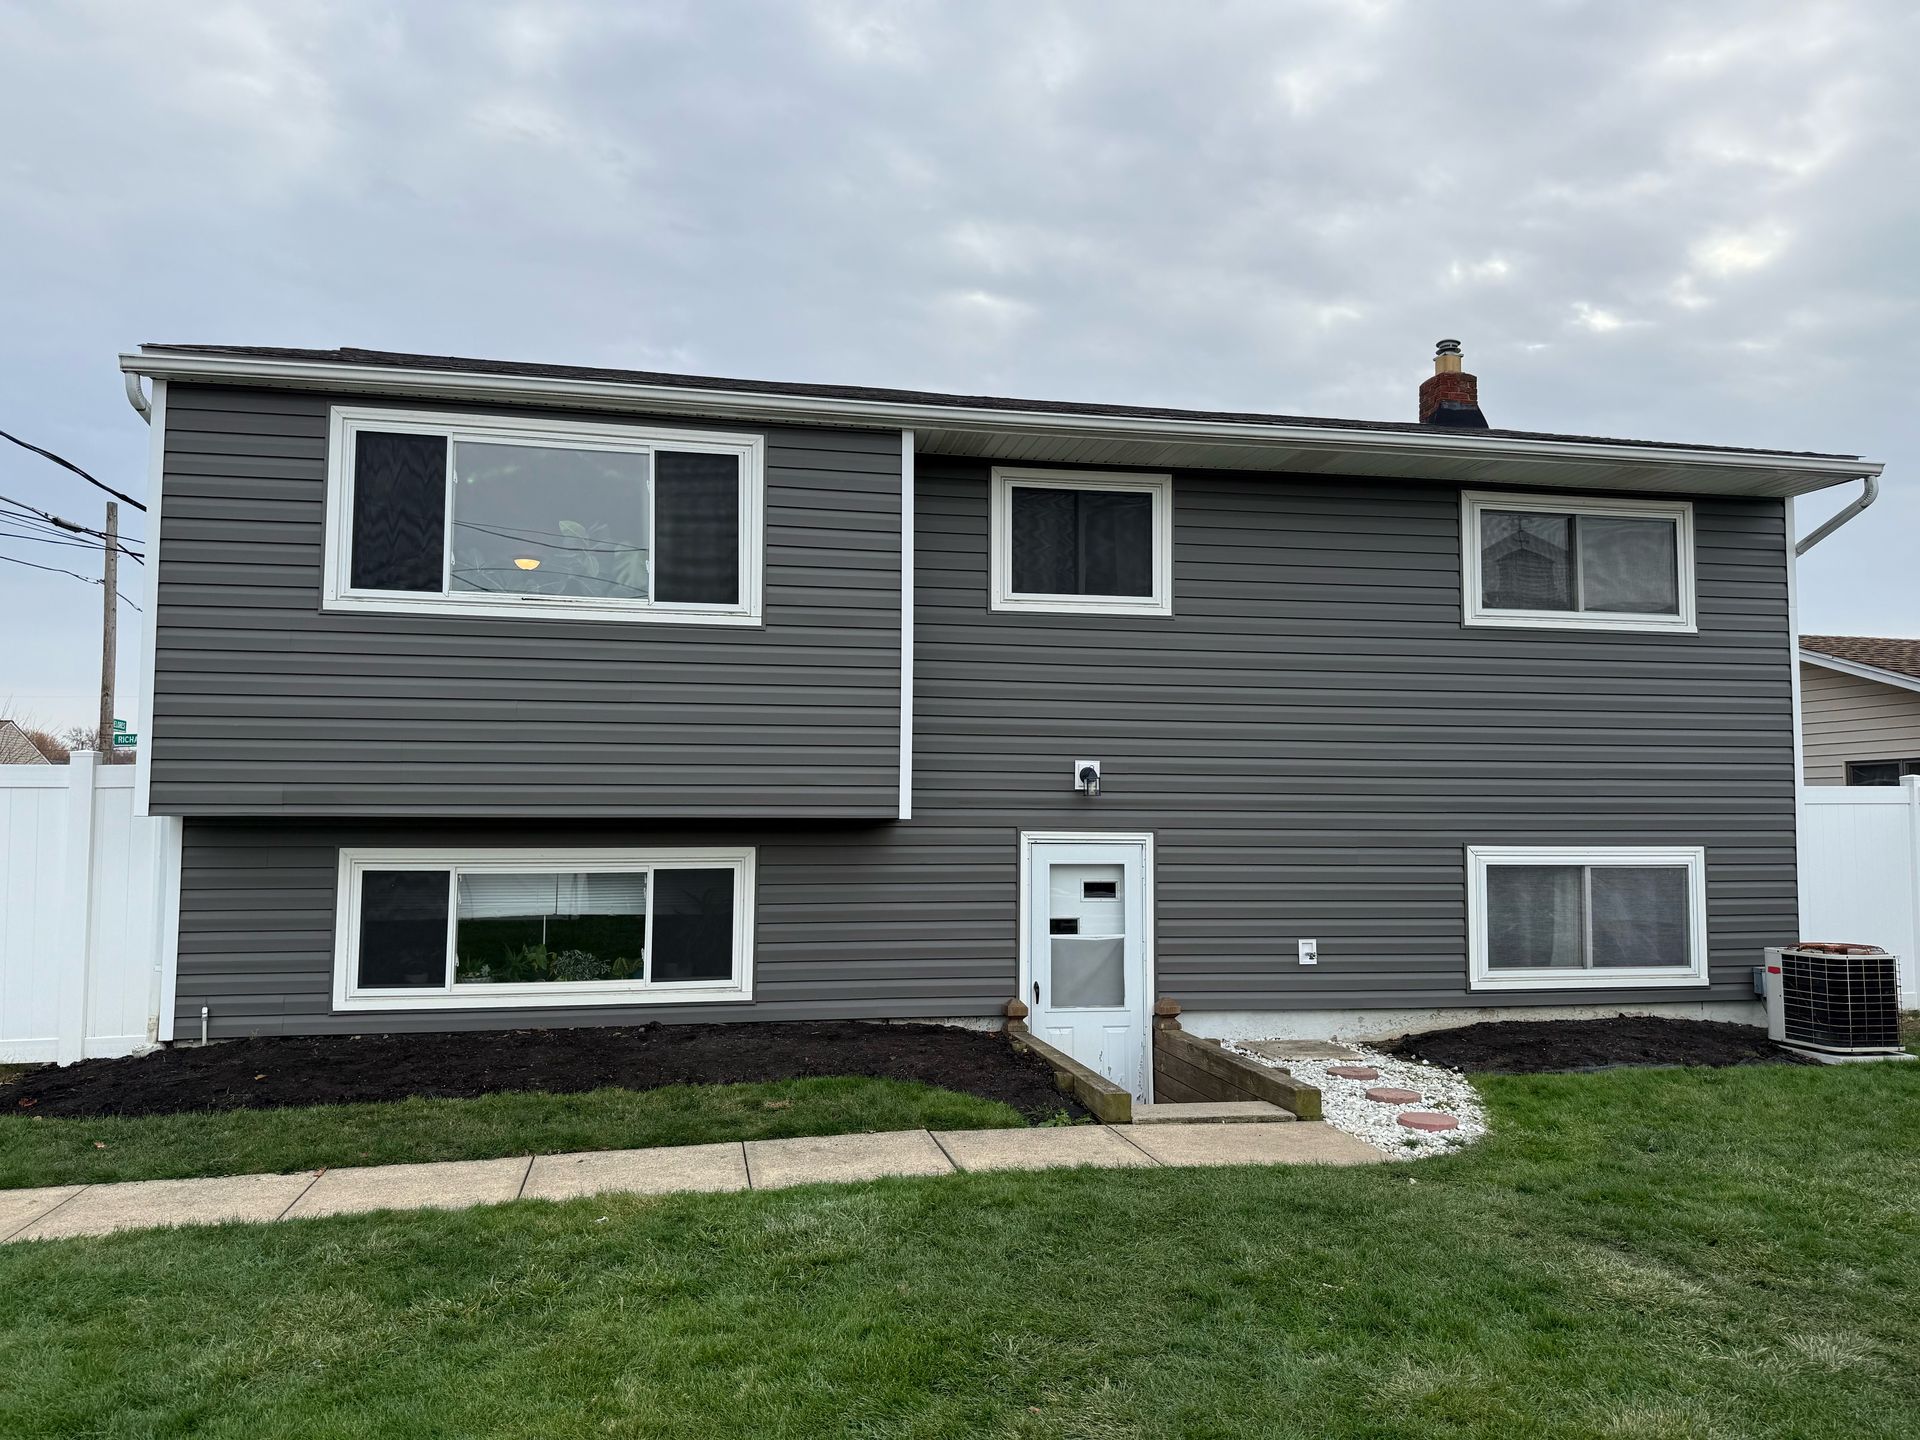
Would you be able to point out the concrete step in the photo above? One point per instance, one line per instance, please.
(1210, 1112)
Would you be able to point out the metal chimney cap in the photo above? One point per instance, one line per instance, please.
(1446, 347)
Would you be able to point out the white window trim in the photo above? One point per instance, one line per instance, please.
(346, 421)
(1000, 562)
(1480, 858)
(1472, 502)
(346, 932)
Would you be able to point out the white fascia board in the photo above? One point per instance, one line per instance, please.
(1814, 472)
(1864, 672)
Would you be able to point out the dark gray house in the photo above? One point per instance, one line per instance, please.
(503, 695)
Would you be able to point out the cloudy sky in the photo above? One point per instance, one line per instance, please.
(1678, 221)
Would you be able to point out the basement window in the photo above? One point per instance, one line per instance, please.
(506, 516)
(1567, 918)
(1073, 542)
(1568, 563)
(419, 929)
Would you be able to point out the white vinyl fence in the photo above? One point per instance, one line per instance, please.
(1860, 870)
(88, 894)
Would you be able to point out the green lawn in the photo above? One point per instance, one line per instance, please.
(1633, 1254)
(41, 1151)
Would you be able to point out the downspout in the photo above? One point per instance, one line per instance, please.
(1870, 492)
(137, 398)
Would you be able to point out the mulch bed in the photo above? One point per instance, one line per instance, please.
(1532, 1047)
(273, 1072)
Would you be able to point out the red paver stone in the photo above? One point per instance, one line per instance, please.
(1426, 1120)
(1354, 1072)
(1387, 1095)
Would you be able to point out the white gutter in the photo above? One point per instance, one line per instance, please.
(1869, 492)
(911, 415)
(136, 397)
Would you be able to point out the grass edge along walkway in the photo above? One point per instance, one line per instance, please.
(41, 1151)
(68, 1212)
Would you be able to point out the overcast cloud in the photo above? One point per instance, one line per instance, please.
(1674, 221)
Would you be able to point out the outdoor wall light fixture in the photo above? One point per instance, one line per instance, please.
(526, 562)
(1086, 776)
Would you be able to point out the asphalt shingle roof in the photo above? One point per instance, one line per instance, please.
(1883, 652)
(16, 748)
(399, 360)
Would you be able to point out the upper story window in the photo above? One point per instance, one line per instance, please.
(1575, 564)
(1077, 542)
(498, 515)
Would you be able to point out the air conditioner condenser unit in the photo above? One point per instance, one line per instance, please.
(1834, 998)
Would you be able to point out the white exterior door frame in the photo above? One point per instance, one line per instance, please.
(1030, 840)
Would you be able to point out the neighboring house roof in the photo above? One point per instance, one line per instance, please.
(16, 748)
(1071, 432)
(1896, 660)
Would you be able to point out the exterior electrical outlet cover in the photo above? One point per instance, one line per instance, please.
(1309, 952)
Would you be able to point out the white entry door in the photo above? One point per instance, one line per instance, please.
(1087, 950)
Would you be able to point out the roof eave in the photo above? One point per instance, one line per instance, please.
(1446, 455)
(1859, 669)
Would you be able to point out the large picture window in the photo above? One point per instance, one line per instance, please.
(1082, 543)
(506, 516)
(421, 929)
(1569, 563)
(1544, 918)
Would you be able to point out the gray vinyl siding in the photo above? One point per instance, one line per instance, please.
(833, 903)
(1843, 717)
(265, 705)
(1313, 738)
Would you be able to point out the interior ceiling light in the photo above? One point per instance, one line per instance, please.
(526, 562)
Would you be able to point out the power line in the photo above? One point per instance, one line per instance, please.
(71, 527)
(56, 570)
(51, 519)
(69, 465)
(65, 542)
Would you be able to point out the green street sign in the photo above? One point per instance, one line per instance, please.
(124, 739)
(118, 726)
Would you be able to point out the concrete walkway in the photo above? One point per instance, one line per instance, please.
(61, 1211)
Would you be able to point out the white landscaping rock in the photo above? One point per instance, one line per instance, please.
(1346, 1106)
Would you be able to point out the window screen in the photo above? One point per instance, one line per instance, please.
(403, 929)
(399, 511)
(1081, 542)
(696, 507)
(1628, 566)
(1534, 917)
(1608, 564)
(1574, 917)
(1639, 915)
(693, 925)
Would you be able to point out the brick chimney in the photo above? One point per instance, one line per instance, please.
(1450, 396)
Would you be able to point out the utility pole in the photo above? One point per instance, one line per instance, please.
(109, 621)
